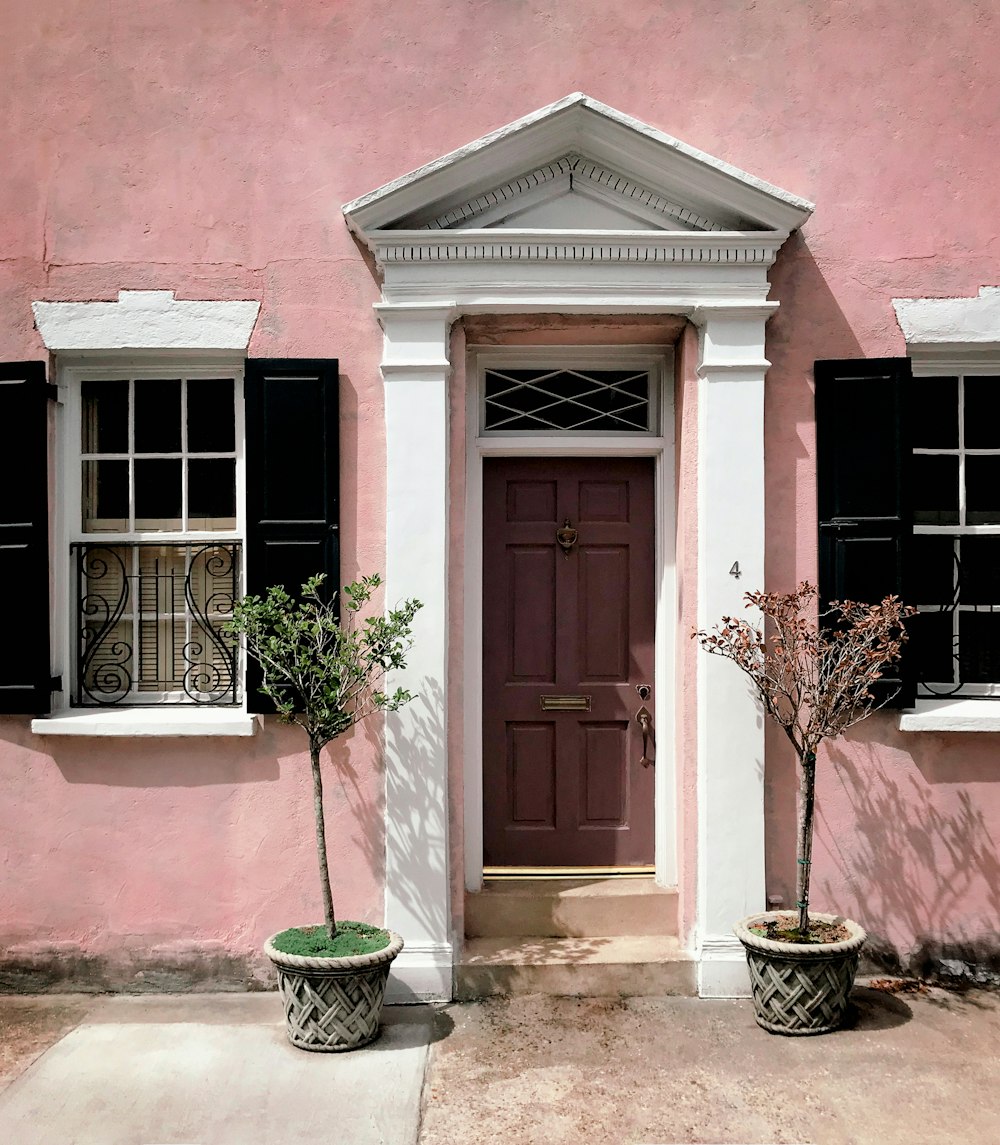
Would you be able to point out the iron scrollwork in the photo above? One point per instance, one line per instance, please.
(151, 622)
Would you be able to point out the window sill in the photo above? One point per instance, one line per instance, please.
(952, 716)
(163, 721)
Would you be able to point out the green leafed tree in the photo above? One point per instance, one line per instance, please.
(324, 667)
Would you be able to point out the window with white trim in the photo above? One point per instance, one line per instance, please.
(954, 578)
(155, 509)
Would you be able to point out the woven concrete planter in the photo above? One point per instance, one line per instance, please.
(800, 989)
(333, 1004)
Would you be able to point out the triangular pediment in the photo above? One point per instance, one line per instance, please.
(578, 165)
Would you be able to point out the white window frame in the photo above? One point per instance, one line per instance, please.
(137, 718)
(961, 372)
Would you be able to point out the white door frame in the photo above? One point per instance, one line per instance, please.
(730, 737)
(661, 448)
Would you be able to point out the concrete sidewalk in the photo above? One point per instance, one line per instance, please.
(215, 1069)
(205, 1070)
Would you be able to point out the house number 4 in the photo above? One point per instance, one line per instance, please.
(735, 570)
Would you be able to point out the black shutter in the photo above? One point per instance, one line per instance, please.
(293, 475)
(25, 676)
(863, 461)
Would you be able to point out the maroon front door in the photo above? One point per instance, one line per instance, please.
(567, 640)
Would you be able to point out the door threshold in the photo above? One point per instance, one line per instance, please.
(492, 874)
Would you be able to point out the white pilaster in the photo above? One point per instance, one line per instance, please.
(415, 368)
(730, 725)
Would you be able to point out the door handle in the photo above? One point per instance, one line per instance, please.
(645, 721)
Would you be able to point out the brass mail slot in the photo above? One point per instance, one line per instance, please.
(565, 703)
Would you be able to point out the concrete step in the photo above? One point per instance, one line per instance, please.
(571, 908)
(621, 967)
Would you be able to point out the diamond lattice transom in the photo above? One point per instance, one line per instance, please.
(526, 400)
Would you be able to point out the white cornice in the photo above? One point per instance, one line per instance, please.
(655, 162)
(145, 320)
(759, 247)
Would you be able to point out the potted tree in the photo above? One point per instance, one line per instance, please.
(814, 677)
(324, 669)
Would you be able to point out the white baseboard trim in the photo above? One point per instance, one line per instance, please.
(722, 968)
(421, 973)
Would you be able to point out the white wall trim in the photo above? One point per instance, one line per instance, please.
(722, 968)
(661, 448)
(145, 320)
(930, 324)
(166, 720)
(417, 892)
(421, 972)
(730, 532)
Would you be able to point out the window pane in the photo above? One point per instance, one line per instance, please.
(979, 647)
(211, 420)
(105, 417)
(980, 575)
(935, 490)
(212, 494)
(931, 577)
(157, 495)
(982, 494)
(157, 416)
(105, 496)
(931, 645)
(934, 412)
(982, 413)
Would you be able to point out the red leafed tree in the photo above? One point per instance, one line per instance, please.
(814, 676)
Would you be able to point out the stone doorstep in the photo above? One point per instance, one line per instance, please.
(571, 908)
(625, 966)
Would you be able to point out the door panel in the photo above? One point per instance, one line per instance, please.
(574, 630)
(604, 613)
(531, 581)
(531, 785)
(604, 774)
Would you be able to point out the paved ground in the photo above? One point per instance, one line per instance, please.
(538, 1071)
(216, 1070)
(204, 1070)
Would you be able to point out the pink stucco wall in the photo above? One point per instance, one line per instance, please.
(123, 856)
(207, 148)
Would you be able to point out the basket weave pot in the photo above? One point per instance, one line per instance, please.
(800, 989)
(333, 1004)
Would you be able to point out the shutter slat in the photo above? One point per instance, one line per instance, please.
(293, 475)
(863, 458)
(25, 677)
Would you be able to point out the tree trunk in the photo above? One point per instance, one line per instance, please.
(324, 869)
(807, 793)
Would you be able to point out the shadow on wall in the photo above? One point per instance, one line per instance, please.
(417, 800)
(809, 324)
(918, 863)
(168, 761)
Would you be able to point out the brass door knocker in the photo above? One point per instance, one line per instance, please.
(566, 536)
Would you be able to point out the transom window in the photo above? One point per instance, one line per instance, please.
(156, 561)
(560, 398)
(955, 574)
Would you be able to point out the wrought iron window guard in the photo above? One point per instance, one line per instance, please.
(150, 619)
(954, 642)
